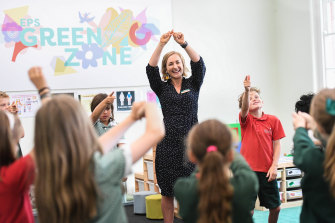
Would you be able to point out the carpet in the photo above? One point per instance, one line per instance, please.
(286, 215)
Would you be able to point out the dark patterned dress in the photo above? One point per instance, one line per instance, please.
(180, 113)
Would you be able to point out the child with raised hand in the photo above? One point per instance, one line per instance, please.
(12, 108)
(261, 134)
(210, 194)
(16, 175)
(78, 179)
(318, 182)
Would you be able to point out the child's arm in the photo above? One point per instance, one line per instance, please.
(245, 98)
(154, 133)
(112, 136)
(37, 77)
(272, 172)
(101, 107)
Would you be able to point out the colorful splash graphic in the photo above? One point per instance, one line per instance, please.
(89, 44)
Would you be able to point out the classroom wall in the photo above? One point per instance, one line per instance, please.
(268, 40)
(294, 58)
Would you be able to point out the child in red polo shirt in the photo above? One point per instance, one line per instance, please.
(261, 134)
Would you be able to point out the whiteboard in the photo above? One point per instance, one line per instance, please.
(80, 43)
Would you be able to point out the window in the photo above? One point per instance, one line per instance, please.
(328, 42)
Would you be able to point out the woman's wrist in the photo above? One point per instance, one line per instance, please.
(184, 45)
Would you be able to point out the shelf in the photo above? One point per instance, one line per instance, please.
(288, 177)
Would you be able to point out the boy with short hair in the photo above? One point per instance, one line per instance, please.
(261, 134)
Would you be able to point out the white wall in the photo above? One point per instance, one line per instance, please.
(294, 59)
(269, 40)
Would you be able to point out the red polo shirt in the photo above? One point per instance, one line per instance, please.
(258, 135)
(15, 182)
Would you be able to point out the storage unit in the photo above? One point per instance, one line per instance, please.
(147, 180)
(139, 182)
(289, 178)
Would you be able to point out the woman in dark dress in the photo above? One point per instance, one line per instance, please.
(179, 100)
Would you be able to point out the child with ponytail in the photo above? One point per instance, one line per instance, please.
(318, 182)
(211, 194)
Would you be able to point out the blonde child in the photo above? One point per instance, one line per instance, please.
(12, 108)
(318, 182)
(16, 175)
(78, 178)
(261, 134)
(210, 194)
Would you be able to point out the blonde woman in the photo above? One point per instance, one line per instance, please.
(179, 100)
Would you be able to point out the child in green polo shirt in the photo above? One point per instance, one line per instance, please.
(211, 193)
(318, 182)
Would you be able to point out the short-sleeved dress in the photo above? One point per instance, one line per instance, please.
(180, 113)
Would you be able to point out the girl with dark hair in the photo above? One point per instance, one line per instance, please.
(211, 194)
(318, 182)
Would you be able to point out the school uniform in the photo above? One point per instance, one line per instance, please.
(318, 204)
(15, 181)
(109, 169)
(258, 135)
(245, 186)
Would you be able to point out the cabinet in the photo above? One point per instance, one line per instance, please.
(288, 178)
(147, 180)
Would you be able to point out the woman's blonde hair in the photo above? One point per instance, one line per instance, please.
(322, 110)
(64, 146)
(166, 76)
(214, 188)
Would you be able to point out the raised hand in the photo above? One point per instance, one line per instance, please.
(166, 37)
(138, 110)
(310, 122)
(179, 37)
(298, 121)
(13, 108)
(247, 83)
(110, 98)
(36, 76)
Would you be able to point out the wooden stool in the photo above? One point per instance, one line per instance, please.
(153, 206)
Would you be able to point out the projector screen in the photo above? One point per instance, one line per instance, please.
(80, 44)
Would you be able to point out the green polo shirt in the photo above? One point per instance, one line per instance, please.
(109, 169)
(244, 182)
(318, 204)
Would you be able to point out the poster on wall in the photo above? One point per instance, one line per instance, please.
(152, 97)
(125, 100)
(83, 45)
(236, 130)
(27, 105)
(85, 101)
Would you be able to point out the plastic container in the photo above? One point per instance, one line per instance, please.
(293, 194)
(293, 172)
(140, 185)
(291, 183)
(150, 168)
